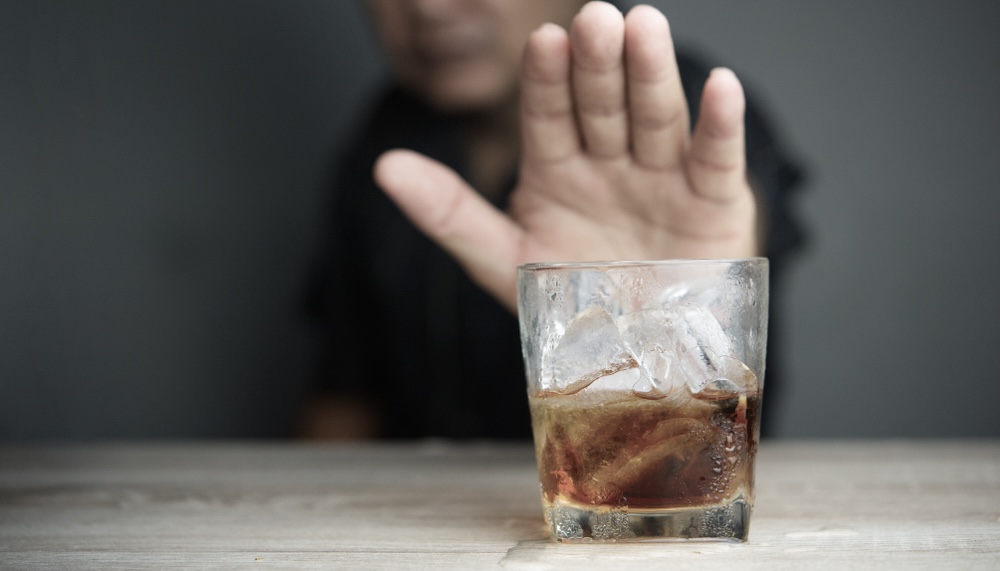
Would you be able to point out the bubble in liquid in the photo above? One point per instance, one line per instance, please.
(730, 444)
(564, 525)
(610, 525)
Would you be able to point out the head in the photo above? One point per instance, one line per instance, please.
(462, 55)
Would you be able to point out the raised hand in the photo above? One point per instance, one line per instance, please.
(609, 168)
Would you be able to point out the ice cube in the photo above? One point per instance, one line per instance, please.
(701, 328)
(732, 377)
(682, 345)
(590, 348)
(697, 338)
(648, 338)
(622, 381)
(705, 352)
(654, 375)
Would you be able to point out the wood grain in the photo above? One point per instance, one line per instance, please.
(441, 506)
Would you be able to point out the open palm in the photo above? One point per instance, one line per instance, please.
(609, 167)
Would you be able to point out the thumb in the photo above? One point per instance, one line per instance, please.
(485, 241)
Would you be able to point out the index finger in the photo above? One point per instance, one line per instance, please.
(548, 128)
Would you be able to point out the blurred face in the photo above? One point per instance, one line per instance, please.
(462, 55)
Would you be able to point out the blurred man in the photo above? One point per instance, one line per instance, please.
(537, 131)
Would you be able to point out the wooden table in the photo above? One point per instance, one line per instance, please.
(837, 505)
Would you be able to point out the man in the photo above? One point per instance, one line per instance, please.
(579, 149)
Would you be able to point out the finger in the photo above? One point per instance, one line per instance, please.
(717, 159)
(599, 79)
(658, 111)
(548, 127)
(438, 202)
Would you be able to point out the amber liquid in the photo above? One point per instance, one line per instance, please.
(620, 452)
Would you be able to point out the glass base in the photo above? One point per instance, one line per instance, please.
(725, 522)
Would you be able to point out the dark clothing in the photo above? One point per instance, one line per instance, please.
(405, 324)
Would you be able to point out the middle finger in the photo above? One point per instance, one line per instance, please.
(597, 37)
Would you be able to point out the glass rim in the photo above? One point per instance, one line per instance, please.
(596, 265)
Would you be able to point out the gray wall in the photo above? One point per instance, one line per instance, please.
(161, 189)
(893, 105)
(161, 185)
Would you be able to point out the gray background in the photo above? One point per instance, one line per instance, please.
(162, 170)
